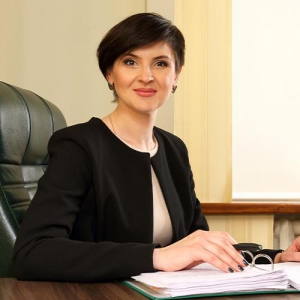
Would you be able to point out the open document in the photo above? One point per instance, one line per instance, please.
(206, 279)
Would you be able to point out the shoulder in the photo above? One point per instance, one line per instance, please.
(83, 131)
(91, 127)
(88, 135)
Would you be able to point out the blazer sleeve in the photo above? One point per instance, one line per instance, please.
(199, 220)
(44, 250)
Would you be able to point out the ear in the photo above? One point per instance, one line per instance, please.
(179, 71)
(109, 77)
(177, 75)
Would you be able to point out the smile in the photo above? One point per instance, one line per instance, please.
(145, 92)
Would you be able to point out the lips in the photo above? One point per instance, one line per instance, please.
(145, 92)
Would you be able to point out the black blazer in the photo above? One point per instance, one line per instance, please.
(92, 216)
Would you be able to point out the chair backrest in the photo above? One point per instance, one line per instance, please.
(26, 123)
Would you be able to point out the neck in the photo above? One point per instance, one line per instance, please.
(136, 130)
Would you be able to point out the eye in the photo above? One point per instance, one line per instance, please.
(162, 64)
(129, 62)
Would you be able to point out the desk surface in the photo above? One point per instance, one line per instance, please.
(12, 289)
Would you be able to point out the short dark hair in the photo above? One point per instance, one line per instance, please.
(136, 31)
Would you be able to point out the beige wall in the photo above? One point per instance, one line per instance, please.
(49, 47)
(245, 228)
(203, 104)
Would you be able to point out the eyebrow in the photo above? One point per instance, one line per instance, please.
(157, 57)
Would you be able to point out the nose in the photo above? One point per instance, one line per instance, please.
(146, 74)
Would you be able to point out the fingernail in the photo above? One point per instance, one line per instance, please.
(245, 262)
(230, 270)
(241, 268)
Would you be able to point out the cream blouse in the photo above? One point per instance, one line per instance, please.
(162, 226)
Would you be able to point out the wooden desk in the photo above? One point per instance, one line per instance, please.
(12, 289)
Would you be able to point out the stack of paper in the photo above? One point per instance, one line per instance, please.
(206, 279)
(292, 269)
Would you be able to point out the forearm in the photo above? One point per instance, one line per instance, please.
(61, 259)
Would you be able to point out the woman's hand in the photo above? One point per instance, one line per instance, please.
(292, 253)
(201, 246)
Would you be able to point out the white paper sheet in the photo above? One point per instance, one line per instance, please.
(207, 279)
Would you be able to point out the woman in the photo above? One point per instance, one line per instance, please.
(118, 196)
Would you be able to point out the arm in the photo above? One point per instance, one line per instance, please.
(44, 249)
(197, 244)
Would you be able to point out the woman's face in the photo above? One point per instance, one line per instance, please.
(144, 77)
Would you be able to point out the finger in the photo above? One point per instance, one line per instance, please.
(235, 255)
(290, 256)
(224, 257)
(223, 235)
(224, 264)
(220, 245)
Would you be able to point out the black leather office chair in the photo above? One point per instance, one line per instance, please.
(26, 123)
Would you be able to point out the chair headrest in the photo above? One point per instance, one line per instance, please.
(26, 123)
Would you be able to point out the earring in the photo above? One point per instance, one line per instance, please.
(174, 89)
(111, 86)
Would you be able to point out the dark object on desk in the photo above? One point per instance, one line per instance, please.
(26, 123)
(247, 246)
